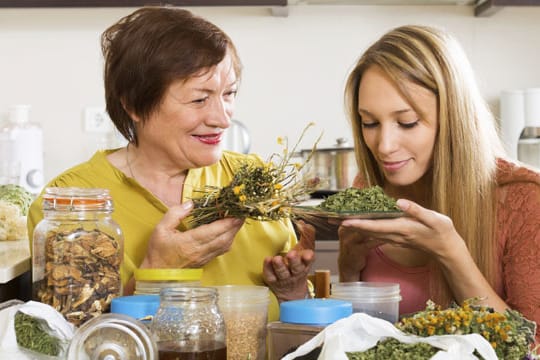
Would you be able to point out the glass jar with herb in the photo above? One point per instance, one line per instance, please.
(77, 252)
(189, 325)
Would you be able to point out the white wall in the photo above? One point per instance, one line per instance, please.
(295, 66)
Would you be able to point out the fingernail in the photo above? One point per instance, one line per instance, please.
(188, 205)
(402, 204)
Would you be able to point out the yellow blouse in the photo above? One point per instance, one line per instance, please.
(138, 211)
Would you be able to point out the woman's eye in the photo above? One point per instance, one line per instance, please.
(368, 125)
(231, 93)
(408, 125)
(200, 101)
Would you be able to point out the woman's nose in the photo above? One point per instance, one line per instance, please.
(388, 140)
(221, 114)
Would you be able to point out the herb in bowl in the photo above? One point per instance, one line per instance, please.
(353, 200)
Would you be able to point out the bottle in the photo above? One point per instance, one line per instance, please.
(25, 139)
(189, 326)
(77, 253)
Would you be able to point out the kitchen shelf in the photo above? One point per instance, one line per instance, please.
(489, 7)
(134, 3)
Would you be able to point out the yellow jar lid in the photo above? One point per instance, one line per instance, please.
(168, 274)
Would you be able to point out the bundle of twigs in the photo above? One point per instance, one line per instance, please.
(261, 192)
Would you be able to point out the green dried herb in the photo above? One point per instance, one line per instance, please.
(32, 334)
(262, 192)
(370, 199)
(392, 349)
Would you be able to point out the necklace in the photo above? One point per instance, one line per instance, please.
(129, 163)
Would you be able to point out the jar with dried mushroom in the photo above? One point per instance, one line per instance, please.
(77, 252)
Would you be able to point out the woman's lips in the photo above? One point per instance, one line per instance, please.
(393, 165)
(210, 139)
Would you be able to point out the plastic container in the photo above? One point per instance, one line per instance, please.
(300, 320)
(77, 253)
(140, 307)
(245, 310)
(189, 325)
(378, 299)
(151, 281)
(111, 337)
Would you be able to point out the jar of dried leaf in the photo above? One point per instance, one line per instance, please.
(77, 252)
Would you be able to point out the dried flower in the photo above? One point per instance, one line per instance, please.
(509, 333)
(261, 192)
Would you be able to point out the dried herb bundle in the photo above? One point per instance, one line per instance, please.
(261, 192)
(370, 199)
(33, 334)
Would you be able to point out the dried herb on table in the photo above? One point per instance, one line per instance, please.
(392, 349)
(33, 334)
(370, 199)
(261, 192)
(509, 333)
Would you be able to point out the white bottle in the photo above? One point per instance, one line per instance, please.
(26, 139)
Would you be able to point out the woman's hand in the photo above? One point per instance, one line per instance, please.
(354, 246)
(287, 275)
(171, 248)
(420, 229)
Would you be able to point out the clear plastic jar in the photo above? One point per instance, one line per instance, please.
(378, 299)
(151, 281)
(77, 252)
(189, 325)
(245, 309)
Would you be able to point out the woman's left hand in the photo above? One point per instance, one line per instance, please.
(420, 228)
(287, 275)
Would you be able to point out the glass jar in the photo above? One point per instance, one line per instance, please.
(77, 252)
(151, 281)
(112, 337)
(189, 325)
(245, 310)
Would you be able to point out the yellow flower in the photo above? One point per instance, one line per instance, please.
(278, 186)
(238, 189)
(280, 140)
(242, 198)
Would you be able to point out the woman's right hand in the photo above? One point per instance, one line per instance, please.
(353, 249)
(170, 248)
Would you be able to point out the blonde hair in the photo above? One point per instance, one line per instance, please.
(467, 144)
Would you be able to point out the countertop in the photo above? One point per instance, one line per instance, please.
(14, 259)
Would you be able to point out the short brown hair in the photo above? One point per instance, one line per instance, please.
(149, 49)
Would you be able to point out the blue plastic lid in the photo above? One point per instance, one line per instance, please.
(136, 306)
(314, 311)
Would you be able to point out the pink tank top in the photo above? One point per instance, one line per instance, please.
(413, 281)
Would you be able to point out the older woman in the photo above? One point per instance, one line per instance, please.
(170, 84)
